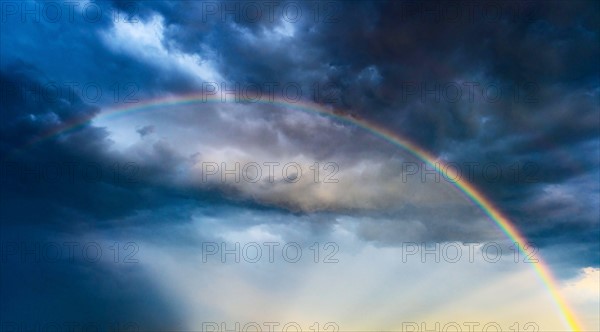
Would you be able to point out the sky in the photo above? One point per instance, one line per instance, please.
(299, 165)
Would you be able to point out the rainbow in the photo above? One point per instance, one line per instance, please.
(469, 190)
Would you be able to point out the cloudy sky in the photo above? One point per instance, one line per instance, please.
(212, 166)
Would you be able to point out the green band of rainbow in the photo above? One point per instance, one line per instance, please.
(474, 195)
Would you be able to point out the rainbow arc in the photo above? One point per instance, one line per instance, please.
(469, 190)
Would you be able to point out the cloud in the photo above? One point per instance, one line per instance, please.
(583, 292)
(145, 42)
(142, 176)
(395, 286)
(145, 130)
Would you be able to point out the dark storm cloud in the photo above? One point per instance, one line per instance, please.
(56, 191)
(365, 57)
(78, 57)
(541, 55)
(36, 210)
(53, 279)
(362, 58)
(77, 174)
(373, 52)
